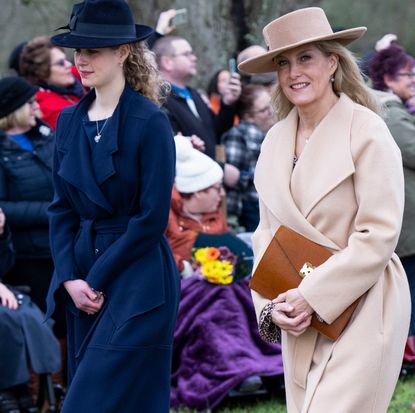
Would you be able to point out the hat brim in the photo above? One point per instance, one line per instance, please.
(264, 63)
(73, 41)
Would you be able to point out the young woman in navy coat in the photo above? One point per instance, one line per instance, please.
(113, 174)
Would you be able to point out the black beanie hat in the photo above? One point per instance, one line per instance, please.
(14, 58)
(14, 93)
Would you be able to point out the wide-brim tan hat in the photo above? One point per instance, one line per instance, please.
(295, 29)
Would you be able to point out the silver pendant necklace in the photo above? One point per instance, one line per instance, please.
(97, 137)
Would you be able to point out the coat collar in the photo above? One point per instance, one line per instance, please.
(78, 167)
(324, 163)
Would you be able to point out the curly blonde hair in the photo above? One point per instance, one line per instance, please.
(140, 70)
(347, 79)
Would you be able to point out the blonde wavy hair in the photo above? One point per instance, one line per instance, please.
(140, 70)
(18, 118)
(347, 79)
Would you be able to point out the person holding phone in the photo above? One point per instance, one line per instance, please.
(187, 112)
(113, 176)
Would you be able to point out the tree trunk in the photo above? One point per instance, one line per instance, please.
(219, 29)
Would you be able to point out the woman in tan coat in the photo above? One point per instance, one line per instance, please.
(337, 180)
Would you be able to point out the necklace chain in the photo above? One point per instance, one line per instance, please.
(97, 137)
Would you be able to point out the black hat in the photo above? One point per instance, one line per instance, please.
(14, 58)
(101, 23)
(14, 93)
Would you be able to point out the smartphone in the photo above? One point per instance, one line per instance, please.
(232, 66)
(180, 17)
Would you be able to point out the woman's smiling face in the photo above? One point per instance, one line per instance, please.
(304, 74)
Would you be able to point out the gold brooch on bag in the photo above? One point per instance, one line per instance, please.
(306, 269)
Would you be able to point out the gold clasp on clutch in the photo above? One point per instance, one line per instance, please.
(306, 269)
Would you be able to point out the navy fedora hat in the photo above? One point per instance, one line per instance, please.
(101, 23)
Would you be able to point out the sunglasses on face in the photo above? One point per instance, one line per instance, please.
(61, 62)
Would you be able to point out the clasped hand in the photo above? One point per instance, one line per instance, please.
(84, 297)
(291, 312)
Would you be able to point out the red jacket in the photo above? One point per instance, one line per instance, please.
(51, 103)
(182, 230)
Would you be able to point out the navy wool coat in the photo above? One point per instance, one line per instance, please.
(107, 223)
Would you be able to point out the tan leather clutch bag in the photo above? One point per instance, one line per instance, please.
(287, 260)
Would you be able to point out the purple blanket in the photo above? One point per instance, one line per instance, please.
(216, 344)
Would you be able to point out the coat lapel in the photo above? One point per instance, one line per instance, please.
(326, 160)
(290, 195)
(102, 159)
(78, 166)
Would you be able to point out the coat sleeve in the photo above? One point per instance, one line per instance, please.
(63, 226)
(379, 191)
(224, 119)
(260, 241)
(402, 127)
(21, 213)
(7, 254)
(145, 230)
(236, 154)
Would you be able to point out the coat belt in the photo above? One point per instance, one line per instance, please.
(89, 227)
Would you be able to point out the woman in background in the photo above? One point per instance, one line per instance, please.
(26, 188)
(47, 66)
(25, 340)
(242, 146)
(393, 76)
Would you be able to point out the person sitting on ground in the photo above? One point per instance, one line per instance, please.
(23, 336)
(26, 188)
(217, 347)
(47, 66)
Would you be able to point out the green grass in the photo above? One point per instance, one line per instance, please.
(404, 396)
(402, 399)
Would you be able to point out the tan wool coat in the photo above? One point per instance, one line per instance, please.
(346, 193)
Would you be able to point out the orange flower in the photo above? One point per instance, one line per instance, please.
(212, 253)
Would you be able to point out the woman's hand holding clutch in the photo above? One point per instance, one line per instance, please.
(291, 312)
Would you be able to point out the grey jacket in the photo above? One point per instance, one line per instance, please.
(402, 126)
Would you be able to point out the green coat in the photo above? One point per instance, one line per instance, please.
(402, 126)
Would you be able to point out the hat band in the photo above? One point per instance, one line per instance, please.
(113, 31)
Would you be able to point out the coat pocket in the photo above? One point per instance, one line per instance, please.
(138, 289)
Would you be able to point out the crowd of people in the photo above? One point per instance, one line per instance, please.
(129, 198)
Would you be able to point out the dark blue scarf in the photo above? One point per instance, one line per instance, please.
(76, 89)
